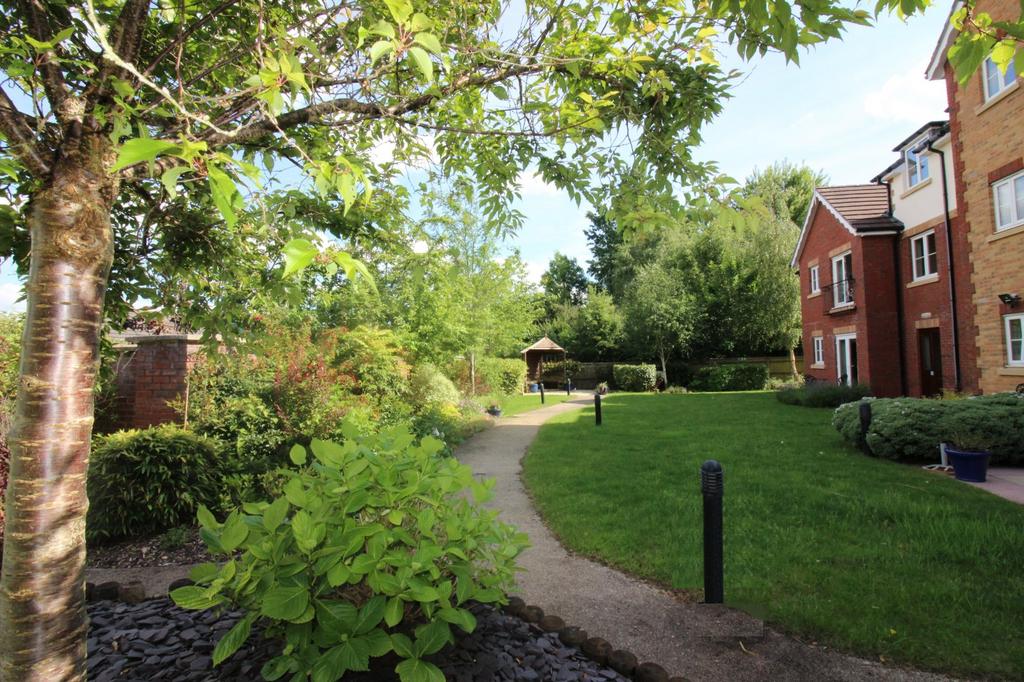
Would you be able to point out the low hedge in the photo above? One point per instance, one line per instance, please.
(910, 429)
(822, 394)
(637, 378)
(145, 481)
(738, 377)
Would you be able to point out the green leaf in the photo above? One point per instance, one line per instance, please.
(234, 639)
(204, 573)
(423, 63)
(206, 518)
(327, 452)
(170, 179)
(295, 492)
(415, 670)
(275, 668)
(377, 642)
(420, 22)
(297, 454)
(337, 617)
(308, 534)
(285, 603)
(394, 612)
(400, 10)
(338, 575)
(140, 149)
(234, 533)
(298, 254)
(370, 614)
(402, 645)
(274, 515)
(432, 637)
(381, 48)
(222, 191)
(194, 598)
(428, 41)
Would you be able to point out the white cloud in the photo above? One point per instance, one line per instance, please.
(384, 152)
(534, 270)
(10, 292)
(907, 96)
(532, 185)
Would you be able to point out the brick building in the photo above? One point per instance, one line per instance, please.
(987, 125)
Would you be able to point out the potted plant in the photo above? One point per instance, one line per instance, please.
(968, 453)
(494, 409)
(602, 388)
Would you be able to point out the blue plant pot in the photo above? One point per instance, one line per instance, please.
(968, 465)
(494, 411)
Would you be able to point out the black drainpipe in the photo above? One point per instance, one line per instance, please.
(900, 335)
(954, 318)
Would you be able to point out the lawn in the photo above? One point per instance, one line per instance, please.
(870, 556)
(516, 404)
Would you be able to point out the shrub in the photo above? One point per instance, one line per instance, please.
(675, 390)
(634, 377)
(822, 394)
(374, 547)
(912, 428)
(737, 377)
(146, 481)
(502, 375)
(428, 386)
(556, 372)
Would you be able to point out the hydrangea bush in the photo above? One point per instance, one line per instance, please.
(373, 547)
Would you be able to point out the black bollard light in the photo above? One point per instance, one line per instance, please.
(597, 409)
(542, 393)
(865, 423)
(711, 486)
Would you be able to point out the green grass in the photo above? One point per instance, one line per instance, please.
(870, 556)
(517, 404)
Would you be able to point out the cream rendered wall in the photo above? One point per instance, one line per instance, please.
(922, 205)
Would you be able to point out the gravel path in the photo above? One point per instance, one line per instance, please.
(155, 640)
(694, 640)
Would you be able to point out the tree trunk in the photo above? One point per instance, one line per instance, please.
(664, 367)
(472, 373)
(792, 364)
(43, 621)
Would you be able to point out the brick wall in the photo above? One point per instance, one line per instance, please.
(151, 372)
(988, 145)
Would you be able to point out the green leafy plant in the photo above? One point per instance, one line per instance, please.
(175, 538)
(635, 377)
(738, 377)
(910, 429)
(503, 375)
(822, 394)
(372, 548)
(429, 386)
(146, 481)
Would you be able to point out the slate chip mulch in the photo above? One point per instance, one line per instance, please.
(156, 640)
(149, 552)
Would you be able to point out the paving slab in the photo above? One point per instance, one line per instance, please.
(1006, 482)
(686, 638)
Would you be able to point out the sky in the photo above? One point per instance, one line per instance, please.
(841, 111)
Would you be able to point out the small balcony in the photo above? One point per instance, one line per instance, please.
(838, 297)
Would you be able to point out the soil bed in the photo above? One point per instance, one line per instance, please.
(144, 552)
(155, 640)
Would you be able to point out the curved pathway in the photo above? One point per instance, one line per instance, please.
(697, 641)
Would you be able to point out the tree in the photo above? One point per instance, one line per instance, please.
(785, 188)
(659, 314)
(564, 281)
(126, 104)
(604, 238)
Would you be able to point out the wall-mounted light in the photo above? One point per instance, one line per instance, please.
(1010, 299)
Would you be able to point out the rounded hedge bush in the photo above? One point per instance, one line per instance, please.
(635, 377)
(738, 377)
(428, 386)
(911, 428)
(145, 481)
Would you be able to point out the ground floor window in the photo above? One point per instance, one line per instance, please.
(819, 350)
(846, 359)
(1015, 340)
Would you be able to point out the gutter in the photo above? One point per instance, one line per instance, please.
(900, 334)
(949, 262)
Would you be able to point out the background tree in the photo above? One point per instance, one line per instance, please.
(564, 281)
(108, 104)
(604, 238)
(785, 188)
(659, 315)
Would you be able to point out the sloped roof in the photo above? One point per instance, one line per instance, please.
(543, 344)
(861, 209)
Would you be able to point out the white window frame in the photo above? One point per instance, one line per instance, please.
(845, 340)
(815, 275)
(818, 344)
(1008, 321)
(924, 259)
(1003, 80)
(841, 290)
(918, 161)
(1016, 202)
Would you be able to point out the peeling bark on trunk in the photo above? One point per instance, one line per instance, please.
(792, 364)
(42, 587)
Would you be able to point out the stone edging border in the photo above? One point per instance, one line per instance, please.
(595, 648)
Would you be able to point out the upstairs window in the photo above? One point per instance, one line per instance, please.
(922, 251)
(917, 164)
(995, 80)
(842, 280)
(1009, 200)
(815, 279)
(1015, 340)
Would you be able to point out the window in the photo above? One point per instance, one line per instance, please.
(1009, 200)
(819, 350)
(815, 280)
(917, 164)
(842, 281)
(846, 359)
(996, 81)
(1015, 340)
(922, 251)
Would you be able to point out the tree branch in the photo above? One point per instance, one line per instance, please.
(126, 43)
(38, 20)
(184, 35)
(21, 135)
